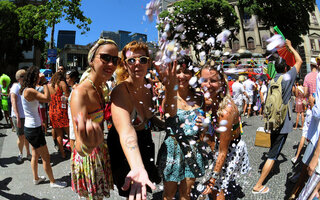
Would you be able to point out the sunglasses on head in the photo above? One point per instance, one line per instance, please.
(142, 60)
(107, 58)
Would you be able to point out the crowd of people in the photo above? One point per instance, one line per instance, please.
(202, 123)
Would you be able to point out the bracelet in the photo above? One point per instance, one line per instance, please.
(215, 175)
(84, 149)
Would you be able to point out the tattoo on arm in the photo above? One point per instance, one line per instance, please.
(131, 143)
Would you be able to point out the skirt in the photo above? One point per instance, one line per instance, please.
(237, 162)
(91, 175)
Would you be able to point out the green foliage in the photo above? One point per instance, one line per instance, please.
(291, 16)
(32, 22)
(69, 10)
(208, 17)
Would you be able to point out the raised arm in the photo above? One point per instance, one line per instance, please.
(296, 55)
(168, 75)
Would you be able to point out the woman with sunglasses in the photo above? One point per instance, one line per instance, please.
(90, 164)
(129, 140)
(231, 156)
(179, 158)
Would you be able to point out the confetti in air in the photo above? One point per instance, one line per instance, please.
(152, 9)
(223, 37)
(274, 42)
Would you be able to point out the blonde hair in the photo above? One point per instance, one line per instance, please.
(224, 94)
(121, 72)
(20, 73)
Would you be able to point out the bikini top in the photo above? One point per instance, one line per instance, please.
(135, 118)
(97, 116)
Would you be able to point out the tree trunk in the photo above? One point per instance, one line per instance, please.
(52, 35)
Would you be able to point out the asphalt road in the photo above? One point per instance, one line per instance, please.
(16, 179)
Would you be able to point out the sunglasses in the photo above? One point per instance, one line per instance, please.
(108, 58)
(142, 60)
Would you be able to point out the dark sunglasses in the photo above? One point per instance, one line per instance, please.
(142, 60)
(107, 58)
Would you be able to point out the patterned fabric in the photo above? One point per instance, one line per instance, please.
(58, 116)
(310, 81)
(172, 161)
(91, 175)
(237, 162)
(309, 187)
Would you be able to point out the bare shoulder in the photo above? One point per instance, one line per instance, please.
(80, 93)
(230, 110)
(119, 92)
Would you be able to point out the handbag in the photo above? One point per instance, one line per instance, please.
(262, 138)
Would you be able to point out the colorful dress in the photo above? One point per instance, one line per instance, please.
(91, 175)
(58, 115)
(172, 158)
(4, 99)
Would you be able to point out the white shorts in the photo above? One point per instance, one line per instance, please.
(249, 100)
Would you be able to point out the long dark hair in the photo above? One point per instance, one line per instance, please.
(56, 78)
(30, 78)
(73, 74)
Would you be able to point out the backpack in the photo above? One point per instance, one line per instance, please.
(275, 111)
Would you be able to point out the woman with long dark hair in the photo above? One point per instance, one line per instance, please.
(57, 111)
(30, 98)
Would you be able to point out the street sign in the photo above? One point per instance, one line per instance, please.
(52, 56)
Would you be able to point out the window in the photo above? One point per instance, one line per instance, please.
(251, 43)
(264, 41)
(312, 44)
(314, 19)
(235, 45)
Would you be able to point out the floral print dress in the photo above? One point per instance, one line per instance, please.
(91, 175)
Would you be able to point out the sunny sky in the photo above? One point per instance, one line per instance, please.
(113, 15)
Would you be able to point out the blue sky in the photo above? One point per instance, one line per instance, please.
(112, 15)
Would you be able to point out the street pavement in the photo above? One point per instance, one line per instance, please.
(16, 179)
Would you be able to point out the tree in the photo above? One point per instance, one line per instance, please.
(10, 46)
(198, 20)
(67, 9)
(291, 16)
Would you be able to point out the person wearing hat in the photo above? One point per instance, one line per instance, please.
(239, 93)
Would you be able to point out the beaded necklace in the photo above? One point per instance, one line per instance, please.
(100, 99)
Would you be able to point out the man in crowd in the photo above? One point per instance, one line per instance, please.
(279, 136)
(249, 86)
(17, 115)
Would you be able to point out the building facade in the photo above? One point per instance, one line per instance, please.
(122, 37)
(253, 37)
(66, 37)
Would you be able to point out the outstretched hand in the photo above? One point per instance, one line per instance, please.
(138, 179)
(90, 133)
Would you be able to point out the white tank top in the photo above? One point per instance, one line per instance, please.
(31, 112)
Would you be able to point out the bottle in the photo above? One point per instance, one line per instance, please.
(63, 101)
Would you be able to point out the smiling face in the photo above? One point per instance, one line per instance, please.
(104, 69)
(211, 82)
(183, 76)
(137, 63)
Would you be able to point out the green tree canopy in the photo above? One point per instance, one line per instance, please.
(291, 16)
(201, 20)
